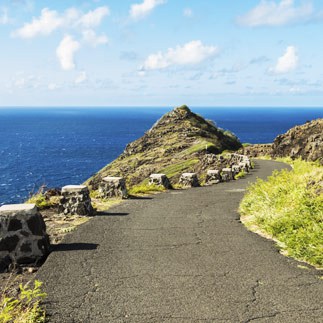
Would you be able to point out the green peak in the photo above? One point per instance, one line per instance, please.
(183, 108)
(179, 141)
(181, 112)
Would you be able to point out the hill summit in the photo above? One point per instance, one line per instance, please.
(177, 142)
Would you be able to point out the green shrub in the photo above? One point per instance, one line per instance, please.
(240, 174)
(26, 308)
(43, 202)
(146, 189)
(177, 186)
(288, 207)
(40, 200)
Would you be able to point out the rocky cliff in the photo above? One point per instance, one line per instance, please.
(257, 150)
(305, 141)
(180, 141)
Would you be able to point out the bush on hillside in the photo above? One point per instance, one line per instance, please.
(288, 207)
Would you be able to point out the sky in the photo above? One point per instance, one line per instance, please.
(262, 53)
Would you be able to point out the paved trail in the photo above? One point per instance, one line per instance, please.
(182, 256)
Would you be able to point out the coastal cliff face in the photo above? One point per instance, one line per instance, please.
(179, 142)
(305, 141)
(257, 150)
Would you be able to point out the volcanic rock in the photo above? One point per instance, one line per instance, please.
(305, 141)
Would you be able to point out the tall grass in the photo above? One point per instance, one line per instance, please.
(25, 308)
(289, 208)
(146, 189)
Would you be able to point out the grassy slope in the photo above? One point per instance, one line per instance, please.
(289, 208)
(172, 146)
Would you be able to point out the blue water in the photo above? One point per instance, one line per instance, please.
(57, 147)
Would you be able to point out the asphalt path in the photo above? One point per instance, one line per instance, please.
(180, 256)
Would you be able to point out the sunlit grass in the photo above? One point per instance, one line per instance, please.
(42, 202)
(289, 208)
(25, 308)
(146, 189)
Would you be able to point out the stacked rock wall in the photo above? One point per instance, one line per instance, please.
(227, 174)
(160, 179)
(23, 238)
(213, 176)
(75, 199)
(113, 187)
(238, 163)
(189, 180)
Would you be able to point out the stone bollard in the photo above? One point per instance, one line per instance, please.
(189, 180)
(75, 199)
(244, 167)
(23, 238)
(235, 170)
(213, 177)
(247, 161)
(113, 187)
(160, 179)
(227, 174)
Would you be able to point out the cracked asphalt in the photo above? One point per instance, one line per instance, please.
(180, 256)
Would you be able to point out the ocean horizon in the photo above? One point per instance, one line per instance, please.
(57, 146)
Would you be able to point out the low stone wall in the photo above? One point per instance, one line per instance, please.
(213, 176)
(227, 174)
(160, 180)
(23, 238)
(189, 180)
(75, 199)
(244, 166)
(113, 187)
(235, 170)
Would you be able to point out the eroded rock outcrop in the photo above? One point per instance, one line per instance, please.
(305, 141)
(257, 150)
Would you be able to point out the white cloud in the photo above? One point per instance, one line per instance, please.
(51, 20)
(141, 73)
(193, 52)
(188, 12)
(94, 18)
(25, 81)
(4, 17)
(82, 77)
(286, 63)
(270, 13)
(90, 37)
(65, 52)
(48, 21)
(20, 83)
(53, 86)
(141, 10)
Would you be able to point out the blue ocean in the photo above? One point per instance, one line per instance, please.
(61, 146)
